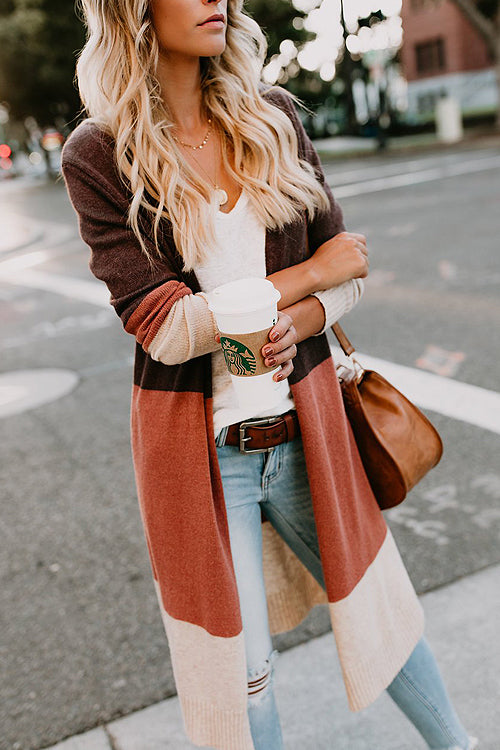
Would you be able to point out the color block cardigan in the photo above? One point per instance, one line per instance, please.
(375, 614)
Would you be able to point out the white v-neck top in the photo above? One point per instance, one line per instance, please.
(190, 327)
(241, 239)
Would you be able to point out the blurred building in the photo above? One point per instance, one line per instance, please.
(443, 54)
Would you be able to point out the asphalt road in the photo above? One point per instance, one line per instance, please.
(81, 635)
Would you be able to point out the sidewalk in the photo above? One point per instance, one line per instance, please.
(344, 146)
(462, 626)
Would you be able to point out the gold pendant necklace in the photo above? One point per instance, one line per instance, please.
(221, 194)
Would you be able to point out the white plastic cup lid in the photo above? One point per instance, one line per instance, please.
(242, 296)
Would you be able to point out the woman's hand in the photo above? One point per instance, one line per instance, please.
(340, 259)
(282, 348)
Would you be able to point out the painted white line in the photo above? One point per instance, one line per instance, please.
(22, 390)
(67, 326)
(414, 178)
(398, 167)
(76, 289)
(462, 401)
(26, 260)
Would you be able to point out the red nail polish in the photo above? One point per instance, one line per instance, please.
(275, 336)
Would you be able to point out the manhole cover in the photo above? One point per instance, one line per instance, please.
(21, 390)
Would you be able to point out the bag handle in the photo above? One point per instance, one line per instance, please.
(344, 342)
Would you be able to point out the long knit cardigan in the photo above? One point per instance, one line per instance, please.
(375, 614)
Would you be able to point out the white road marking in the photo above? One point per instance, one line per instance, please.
(391, 168)
(25, 260)
(22, 390)
(76, 289)
(462, 401)
(47, 329)
(440, 361)
(402, 230)
(414, 178)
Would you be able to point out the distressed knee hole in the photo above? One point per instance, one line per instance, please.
(259, 684)
(260, 679)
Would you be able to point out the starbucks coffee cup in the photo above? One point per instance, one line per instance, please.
(245, 311)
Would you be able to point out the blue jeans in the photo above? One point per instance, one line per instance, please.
(277, 482)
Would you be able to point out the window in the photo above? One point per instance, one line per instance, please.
(426, 102)
(431, 56)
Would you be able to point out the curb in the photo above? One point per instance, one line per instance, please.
(464, 611)
(395, 148)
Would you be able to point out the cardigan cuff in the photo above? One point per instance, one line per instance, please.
(187, 332)
(338, 300)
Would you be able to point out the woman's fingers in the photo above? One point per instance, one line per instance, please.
(286, 369)
(282, 356)
(284, 348)
(281, 327)
(359, 237)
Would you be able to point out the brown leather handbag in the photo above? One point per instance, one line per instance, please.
(396, 442)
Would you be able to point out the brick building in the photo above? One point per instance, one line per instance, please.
(443, 54)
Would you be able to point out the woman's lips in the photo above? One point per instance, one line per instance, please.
(218, 24)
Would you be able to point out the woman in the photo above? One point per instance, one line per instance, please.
(187, 174)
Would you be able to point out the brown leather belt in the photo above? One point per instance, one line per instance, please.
(261, 434)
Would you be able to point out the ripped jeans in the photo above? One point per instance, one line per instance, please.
(277, 482)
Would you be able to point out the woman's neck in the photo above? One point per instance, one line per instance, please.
(179, 79)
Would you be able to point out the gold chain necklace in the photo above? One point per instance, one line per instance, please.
(220, 192)
(190, 145)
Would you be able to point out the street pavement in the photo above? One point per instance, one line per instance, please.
(82, 642)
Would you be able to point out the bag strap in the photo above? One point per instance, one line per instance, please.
(344, 342)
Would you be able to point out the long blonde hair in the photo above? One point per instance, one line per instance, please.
(116, 75)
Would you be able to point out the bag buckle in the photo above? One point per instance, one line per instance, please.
(244, 438)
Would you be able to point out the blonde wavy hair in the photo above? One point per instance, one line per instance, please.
(116, 76)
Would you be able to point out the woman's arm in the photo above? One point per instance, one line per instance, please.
(170, 322)
(314, 314)
(308, 317)
(294, 283)
(340, 260)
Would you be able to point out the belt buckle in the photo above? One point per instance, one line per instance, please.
(244, 438)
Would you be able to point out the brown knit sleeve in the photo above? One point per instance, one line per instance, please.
(142, 297)
(324, 225)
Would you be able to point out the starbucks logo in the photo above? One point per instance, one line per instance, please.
(239, 359)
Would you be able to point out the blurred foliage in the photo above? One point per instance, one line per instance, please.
(488, 8)
(39, 41)
(276, 20)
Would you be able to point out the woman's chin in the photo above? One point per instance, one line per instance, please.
(213, 49)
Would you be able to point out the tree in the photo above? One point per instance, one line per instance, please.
(280, 21)
(484, 15)
(39, 42)
(276, 18)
